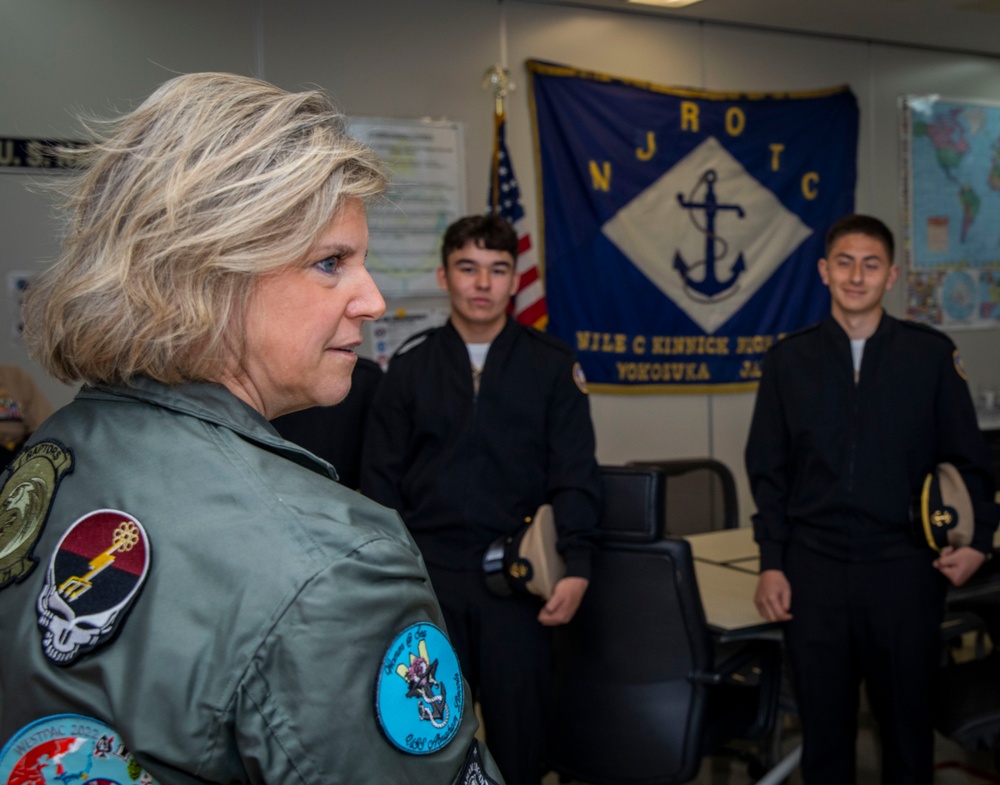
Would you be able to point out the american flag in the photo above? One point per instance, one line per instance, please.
(505, 200)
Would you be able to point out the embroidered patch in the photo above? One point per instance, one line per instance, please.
(579, 378)
(959, 367)
(474, 772)
(67, 748)
(419, 694)
(26, 500)
(94, 576)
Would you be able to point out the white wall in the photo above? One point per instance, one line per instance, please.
(61, 58)
(397, 58)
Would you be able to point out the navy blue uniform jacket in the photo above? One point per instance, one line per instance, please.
(463, 470)
(835, 466)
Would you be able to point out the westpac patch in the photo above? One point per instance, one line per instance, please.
(419, 694)
(65, 748)
(26, 500)
(93, 578)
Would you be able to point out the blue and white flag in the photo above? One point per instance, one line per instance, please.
(682, 228)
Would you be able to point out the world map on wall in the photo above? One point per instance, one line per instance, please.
(952, 200)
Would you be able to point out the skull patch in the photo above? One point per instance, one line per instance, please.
(94, 576)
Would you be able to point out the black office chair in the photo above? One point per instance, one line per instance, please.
(634, 503)
(967, 694)
(967, 704)
(638, 698)
(700, 494)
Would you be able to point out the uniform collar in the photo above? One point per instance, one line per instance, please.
(833, 329)
(502, 337)
(874, 344)
(214, 403)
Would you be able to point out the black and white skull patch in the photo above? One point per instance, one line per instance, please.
(93, 578)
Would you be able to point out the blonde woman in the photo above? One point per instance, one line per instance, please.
(200, 601)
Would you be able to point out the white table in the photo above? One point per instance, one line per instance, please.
(726, 563)
(727, 597)
(736, 548)
(723, 546)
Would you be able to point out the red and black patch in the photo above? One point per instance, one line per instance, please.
(94, 577)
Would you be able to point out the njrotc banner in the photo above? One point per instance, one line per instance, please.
(682, 228)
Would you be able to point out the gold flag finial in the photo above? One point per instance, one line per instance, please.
(497, 79)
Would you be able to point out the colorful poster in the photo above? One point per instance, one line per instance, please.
(951, 197)
(682, 228)
(384, 336)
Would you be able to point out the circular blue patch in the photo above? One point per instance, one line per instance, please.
(419, 693)
(69, 748)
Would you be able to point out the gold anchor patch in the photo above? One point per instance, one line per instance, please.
(941, 518)
(518, 570)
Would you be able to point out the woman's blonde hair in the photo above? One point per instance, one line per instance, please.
(181, 205)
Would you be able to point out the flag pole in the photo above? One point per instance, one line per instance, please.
(497, 79)
(528, 304)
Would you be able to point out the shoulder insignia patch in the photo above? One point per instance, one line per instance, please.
(69, 747)
(474, 771)
(25, 501)
(959, 367)
(419, 694)
(94, 576)
(579, 378)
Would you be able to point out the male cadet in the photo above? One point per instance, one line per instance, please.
(852, 415)
(476, 424)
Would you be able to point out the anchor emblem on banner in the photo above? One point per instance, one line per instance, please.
(710, 285)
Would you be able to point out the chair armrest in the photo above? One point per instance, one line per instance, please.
(728, 667)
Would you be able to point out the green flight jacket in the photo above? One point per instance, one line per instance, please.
(253, 650)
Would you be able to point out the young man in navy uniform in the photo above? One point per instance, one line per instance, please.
(476, 424)
(851, 416)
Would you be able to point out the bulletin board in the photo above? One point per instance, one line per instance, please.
(425, 160)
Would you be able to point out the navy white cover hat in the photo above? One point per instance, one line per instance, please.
(526, 561)
(944, 510)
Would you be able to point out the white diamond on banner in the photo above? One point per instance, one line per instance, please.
(666, 240)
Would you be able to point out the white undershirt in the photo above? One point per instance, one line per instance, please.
(857, 349)
(477, 359)
(477, 354)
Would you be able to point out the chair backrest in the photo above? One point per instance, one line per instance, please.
(967, 703)
(634, 504)
(700, 494)
(625, 709)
